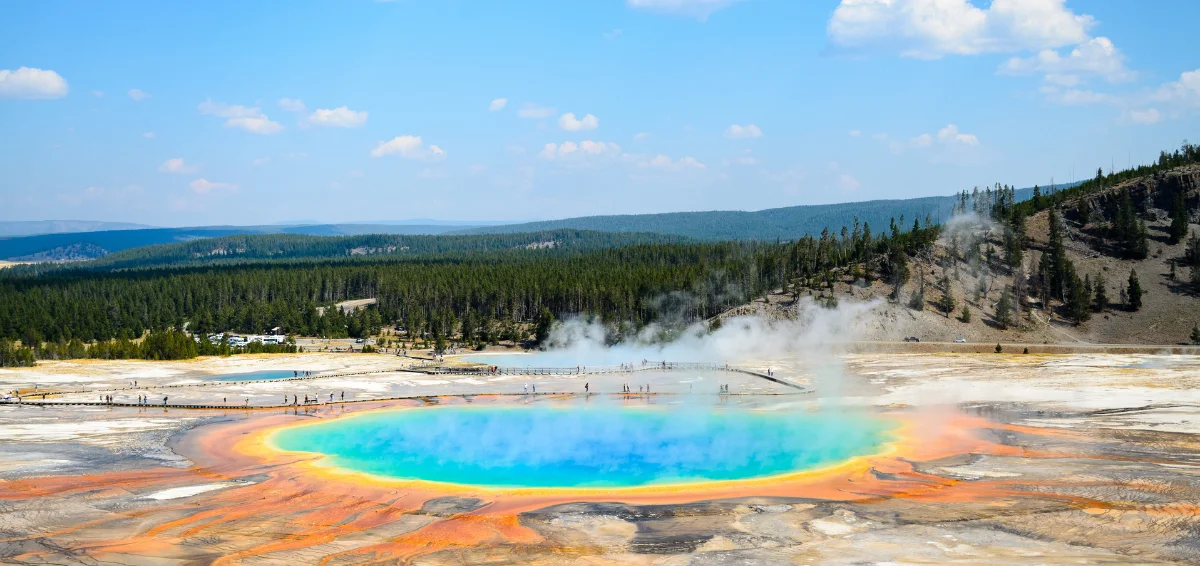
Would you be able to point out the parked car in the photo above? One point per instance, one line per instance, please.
(960, 340)
(912, 339)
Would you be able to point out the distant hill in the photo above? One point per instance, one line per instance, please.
(788, 223)
(94, 244)
(243, 248)
(771, 224)
(10, 228)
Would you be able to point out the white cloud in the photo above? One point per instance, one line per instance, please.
(531, 110)
(138, 95)
(204, 186)
(855, 133)
(148, 135)
(641, 136)
(933, 28)
(259, 162)
(177, 165)
(737, 132)
(341, 117)
(584, 148)
(1147, 116)
(847, 182)
(951, 135)
(98, 93)
(246, 118)
(262, 126)
(1097, 57)
(408, 147)
(664, 162)
(569, 123)
(292, 105)
(611, 35)
(694, 8)
(948, 136)
(497, 104)
(1076, 97)
(33, 84)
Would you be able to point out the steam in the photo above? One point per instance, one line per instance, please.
(813, 331)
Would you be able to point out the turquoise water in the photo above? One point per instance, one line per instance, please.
(256, 375)
(595, 446)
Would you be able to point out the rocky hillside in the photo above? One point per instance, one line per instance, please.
(970, 256)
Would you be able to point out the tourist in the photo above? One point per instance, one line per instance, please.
(585, 387)
(343, 395)
(526, 388)
(164, 400)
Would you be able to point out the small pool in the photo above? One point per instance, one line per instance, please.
(580, 447)
(266, 375)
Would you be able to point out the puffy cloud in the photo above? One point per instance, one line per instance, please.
(736, 132)
(584, 148)
(948, 136)
(569, 123)
(533, 111)
(641, 136)
(694, 8)
(1185, 91)
(497, 104)
(33, 84)
(246, 118)
(1098, 57)
(341, 117)
(177, 165)
(1147, 116)
(951, 135)
(408, 147)
(138, 95)
(292, 105)
(204, 186)
(933, 28)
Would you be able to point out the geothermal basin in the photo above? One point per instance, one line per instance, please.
(597, 445)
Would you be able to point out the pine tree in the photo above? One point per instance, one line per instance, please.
(1134, 291)
(1078, 298)
(1195, 338)
(946, 301)
(965, 315)
(917, 302)
(1004, 310)
(1100, 294)
(1179, 218)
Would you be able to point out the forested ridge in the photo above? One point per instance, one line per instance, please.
(250, 248)
(630, 285)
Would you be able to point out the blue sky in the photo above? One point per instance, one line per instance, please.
(180, 113)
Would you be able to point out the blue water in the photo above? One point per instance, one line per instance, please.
(256, 375)
(595, 446)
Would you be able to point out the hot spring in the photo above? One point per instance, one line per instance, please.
(586, 446)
